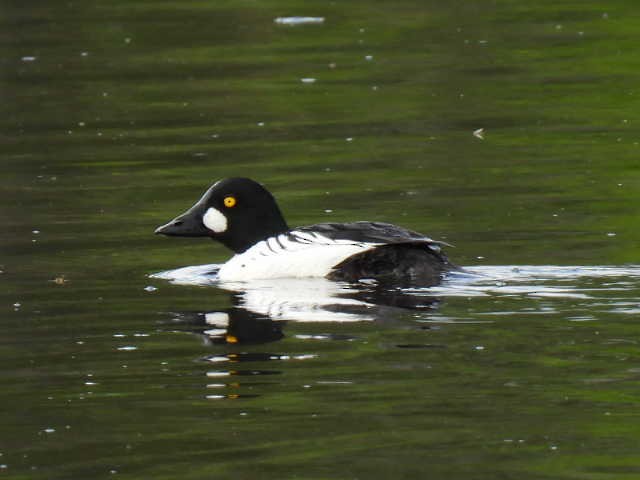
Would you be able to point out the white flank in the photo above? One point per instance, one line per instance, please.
(279, 257)
(215, 220)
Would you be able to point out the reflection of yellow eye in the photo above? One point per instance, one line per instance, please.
(229, 202)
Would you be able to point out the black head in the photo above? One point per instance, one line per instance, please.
(237, 212)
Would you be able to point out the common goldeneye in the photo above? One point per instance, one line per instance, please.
(242, 215)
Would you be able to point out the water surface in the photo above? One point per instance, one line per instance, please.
(116, 117)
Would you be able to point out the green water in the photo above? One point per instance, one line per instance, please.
(115, 116)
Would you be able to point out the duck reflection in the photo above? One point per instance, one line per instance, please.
(259, 312)
(260, 309)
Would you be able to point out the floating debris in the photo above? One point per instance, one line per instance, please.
(127, 348)
(368, 58)
(299, 20)
(150, 288)
(479, 133)
(60, 280)
(28, 59)
(308, 80)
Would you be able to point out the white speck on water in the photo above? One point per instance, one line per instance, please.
(141, 335)
(127, 348)
(127, 40)
(218, 374)
(79, 342)
(17, 305)
(349, 139)
(559, 27)
(306, 356)
(35, 232)
(215, 135)
(298, 20)
(113, 472)
(478, 347)
(374, 88)
(29, 59)
(553, 447)
(243, 414)
(368, 57)
(611, 234)
(480, 258)
(605, 16)
(479, 133)
(119, 335)
(328, 210)
(150, 288)
(308, 80)
(306, 386)
(90, 383)
(260, 124)
(49, 430)
(217, 359)
(4, 466)
(84, 54)
(214, 397)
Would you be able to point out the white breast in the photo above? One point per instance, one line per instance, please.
(294, 255)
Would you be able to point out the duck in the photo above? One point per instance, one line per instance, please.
(244, 216)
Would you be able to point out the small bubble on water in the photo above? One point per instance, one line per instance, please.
(611, 234)
(479, 347)
(150, 288)
(127, 348)
(29, 59)
(308, 80)
(368, 58)
(49, 430)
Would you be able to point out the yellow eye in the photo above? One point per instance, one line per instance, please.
(229, 202)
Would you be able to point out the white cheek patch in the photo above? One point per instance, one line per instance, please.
(215, 220)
